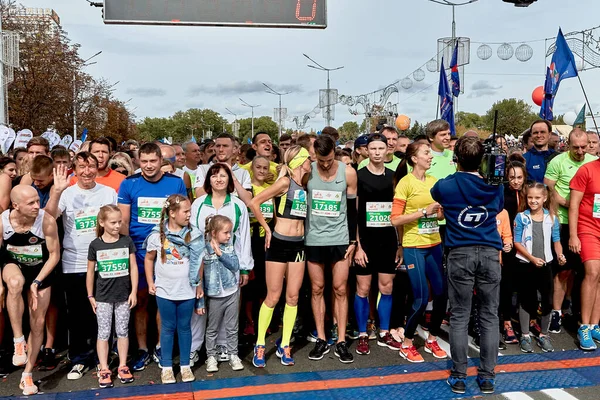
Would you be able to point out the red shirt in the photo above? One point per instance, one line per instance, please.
(589, 209)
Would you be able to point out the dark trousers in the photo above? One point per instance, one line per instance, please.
(510, 277)
(81, 320)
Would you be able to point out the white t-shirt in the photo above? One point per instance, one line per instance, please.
(179, 172)
(240, 174)
(172, 279)
(79, 208)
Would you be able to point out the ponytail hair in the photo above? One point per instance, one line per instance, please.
(289, 155)
(173, 203)
(103, 215)
(215, 223)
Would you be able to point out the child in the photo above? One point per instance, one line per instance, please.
(535, 229)
(172, 241)
(116, 283)
(221, 287)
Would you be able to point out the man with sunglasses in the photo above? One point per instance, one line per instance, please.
(101, 149)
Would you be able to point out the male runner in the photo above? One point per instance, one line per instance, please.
(391, 161)
(262, 144)
(106, 176)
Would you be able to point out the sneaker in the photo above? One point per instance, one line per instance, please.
(313, 336)
(426, 321)
(363, 345)
(259, 357)
(48, 360)
(104, 379)
(545, 344)
(235, 362)
(486, 385)
(585, 339)
(534, 328)
(141, 361)
(20, 356)
(194, 357)
(125, 375)
(27, 386)
(341, 352)
(458, 385)
(167, 376)
(333, 338)
(555, 322)
(351, 332)
(212, 365)
(187, 375)
(371, 329)
(387, 340)
(509, 335)
(321, 348)
(285, 353)
(525, 344)
(411, 354)
(156, 356)
(434, 349)
(222, 355)
(501, 345)
(76, 372)
(595, 333)
(249, 329)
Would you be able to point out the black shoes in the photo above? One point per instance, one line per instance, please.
(341, 352)
(321, 348)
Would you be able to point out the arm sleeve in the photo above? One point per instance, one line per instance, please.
(580, 180)
(182, 190)
(62, 203)
(131, 245)
(246, 182)
(124, 197)
(200, 177)
(242, 244)
(154, 243)
(230, 260)
(552, 170)
(92, 252)
(518, 229)
(555, 230)
(398, 207)
(505, 232)
(352, 217)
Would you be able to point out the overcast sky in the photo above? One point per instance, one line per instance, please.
(164, 69)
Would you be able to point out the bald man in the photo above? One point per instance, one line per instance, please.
(30, 239)
(170, 154)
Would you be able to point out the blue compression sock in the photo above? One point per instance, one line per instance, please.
(384, 309)
(361, 310)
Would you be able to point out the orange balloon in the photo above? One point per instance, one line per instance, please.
(402, 122)
(538, 95)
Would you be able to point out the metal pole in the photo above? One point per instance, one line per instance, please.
(328, 105)
(74, 106)
(252, 122)
(588, 102)
(279, 115)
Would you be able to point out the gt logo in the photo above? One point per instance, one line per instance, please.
(472, 217)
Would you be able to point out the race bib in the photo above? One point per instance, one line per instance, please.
(379, 214)
(85, 220)
(299, 204)
(149, 209)
(326, 203)
(266, 209)
(596, 206)
(113, 263)
(26, 255)
(428, 225)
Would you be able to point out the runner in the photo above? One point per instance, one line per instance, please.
(141, 200)
(30, 241)
(378, 251)
(170, 154)
(330, 240)
(106, 176)
(285, 250)
(192, 160)
(593, 143)
(391, 161)
(261, 143)
(285, 142)
(415, 210)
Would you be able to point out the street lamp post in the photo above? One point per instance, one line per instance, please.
(328, 70)
(453, 5)
(252, 107)
(271, 91)
(83, 64)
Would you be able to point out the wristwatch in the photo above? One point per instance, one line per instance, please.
(38, 283)
(424, 211)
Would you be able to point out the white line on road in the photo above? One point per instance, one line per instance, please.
(516, 396)
(558, 394)
(443, 344)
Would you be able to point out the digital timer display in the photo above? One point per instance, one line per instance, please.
(248, 13)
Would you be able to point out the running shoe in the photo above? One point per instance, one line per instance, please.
(585, 338)
(20, 356)
(187, 375)
(235, 362)
(141, 361)
(125, 375)
(486, 385)
(167, 376)
(76, 372)
(341, 351)
(555, 322)
(194, 357)
(545, 344)
(285, 353)
(313, 336)
(363, 345)
(411, 354)
(371, 329)
(595, 333)
(525, 344)
(351, 332)
(259, 357)
(212, 365)
(434, 349)
(104, 379)
(27, 386)
(426, 320)
(249, 328)
(321, 348)
(333, 338)
(387, 340)
(534, 328)
(501, 345)
(222, 355)
(458, 385)
(509, 335)
(156, 356)
(48, 360)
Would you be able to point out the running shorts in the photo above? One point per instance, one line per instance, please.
(326, 255)
(590, 247)
(286, 249)
(381, 256)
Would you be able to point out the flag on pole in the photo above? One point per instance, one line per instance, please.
(454, 76)
(84, 135)
(548, 100)
(580, 120)
(446, 103)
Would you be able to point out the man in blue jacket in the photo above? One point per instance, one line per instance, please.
(470, 207)
(538, 157)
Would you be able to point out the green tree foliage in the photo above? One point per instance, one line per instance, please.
(514, 116)
(183, 124)
(469, 120)
(348, 131)
(416, 130)
(264, 124)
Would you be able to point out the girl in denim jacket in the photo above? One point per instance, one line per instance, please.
(221, 290)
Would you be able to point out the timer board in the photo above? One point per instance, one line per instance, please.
(244, 13)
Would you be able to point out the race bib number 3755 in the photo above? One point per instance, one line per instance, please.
(149, 209)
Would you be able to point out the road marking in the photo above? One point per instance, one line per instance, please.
(446, 328)
(558, 394)
(516, 396)
(443, 344)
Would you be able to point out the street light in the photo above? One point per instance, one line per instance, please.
(328, 70)
(453, 5)
(81, 65)
(271, 91)
(252, 107)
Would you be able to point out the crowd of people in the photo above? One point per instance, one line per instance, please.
(209, 240)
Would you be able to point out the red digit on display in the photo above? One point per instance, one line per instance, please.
(313, 14)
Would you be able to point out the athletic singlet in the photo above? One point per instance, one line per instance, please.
(375, 196)
(292, 204)
(27, 249)
(266, 210)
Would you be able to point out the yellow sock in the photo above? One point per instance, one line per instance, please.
(289, 319)
(264, 320)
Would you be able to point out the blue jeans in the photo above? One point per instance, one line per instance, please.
(175, 315)
(474, 268)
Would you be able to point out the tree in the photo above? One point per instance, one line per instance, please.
(183, 124)
(348, 131)
(469, 120)
(416, 130)
(514, 117)
(264, 124)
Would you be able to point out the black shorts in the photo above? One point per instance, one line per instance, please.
(573, 260)
(30, 273)
(326, 255)
(284, 249)
(381, 256)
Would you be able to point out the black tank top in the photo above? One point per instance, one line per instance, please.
(292, 204)
(27, 249)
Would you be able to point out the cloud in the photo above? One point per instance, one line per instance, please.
(241, 88)
(483, 88)
(147, 92)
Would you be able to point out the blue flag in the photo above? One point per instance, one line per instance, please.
(548, 100)
(446, 103)
(84, 135)
(454, 76)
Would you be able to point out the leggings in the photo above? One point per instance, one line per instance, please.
(423, 264)
(104, 313)
(175, 315)
(533, 279)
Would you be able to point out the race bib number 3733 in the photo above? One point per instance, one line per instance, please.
(85, 220)
(149, 209)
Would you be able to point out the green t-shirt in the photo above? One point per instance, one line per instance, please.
(442, 164)
(561, 169)
(393, 165)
